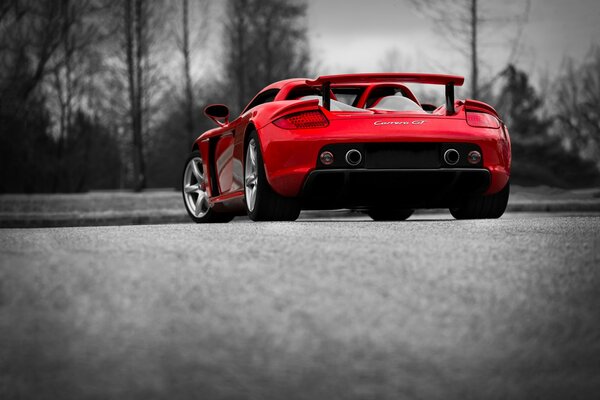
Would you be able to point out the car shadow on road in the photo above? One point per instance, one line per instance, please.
(374, 222)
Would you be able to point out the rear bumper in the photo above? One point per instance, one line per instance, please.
(400, 188)
(291, 157)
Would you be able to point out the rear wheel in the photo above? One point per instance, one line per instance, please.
(483, 207)
(194, 193)
(262, 203)
(386, 214)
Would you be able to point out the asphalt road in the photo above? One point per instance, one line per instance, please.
(430, 308)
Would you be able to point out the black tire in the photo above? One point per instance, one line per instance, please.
(211, 216)
(483, 207)
(268, 205)
(386, 214)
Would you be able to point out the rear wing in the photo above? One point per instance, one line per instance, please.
(449, 81)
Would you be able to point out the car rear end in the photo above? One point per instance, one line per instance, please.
(339, 160)
(365, 158)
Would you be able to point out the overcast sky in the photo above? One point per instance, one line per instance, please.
(354, 35)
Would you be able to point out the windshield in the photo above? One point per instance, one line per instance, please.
(335, 105)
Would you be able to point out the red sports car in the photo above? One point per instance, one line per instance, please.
(357, 141)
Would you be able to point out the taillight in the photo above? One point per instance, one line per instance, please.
(506, 147)
(482, 120)
(302, 120)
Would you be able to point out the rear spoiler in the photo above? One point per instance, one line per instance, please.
(449, 81)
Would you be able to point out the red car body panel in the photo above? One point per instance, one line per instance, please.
(290, 155)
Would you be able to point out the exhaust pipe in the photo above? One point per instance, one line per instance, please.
(451, 157)
(353, 157)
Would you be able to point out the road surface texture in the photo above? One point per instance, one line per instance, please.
(430, 308)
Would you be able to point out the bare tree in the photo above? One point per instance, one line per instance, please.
(80, 36)
(576, 104)
(198, 10)
(138, 45)
(237, 28)
(45, 77)
(265, 41)
(30, 35)
(462, 22)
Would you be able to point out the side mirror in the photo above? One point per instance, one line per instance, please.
(218, 113)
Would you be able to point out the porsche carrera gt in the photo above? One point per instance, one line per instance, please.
(355, 141)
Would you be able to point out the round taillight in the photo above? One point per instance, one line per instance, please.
(474, 157)
(326, 158)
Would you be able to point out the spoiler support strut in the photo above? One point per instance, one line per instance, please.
(450, 99)
(326, 92)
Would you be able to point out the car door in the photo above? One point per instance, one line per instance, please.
(223, 153)
(228, 149)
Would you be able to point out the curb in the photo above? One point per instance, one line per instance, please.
(59, 220)
(556, 206)
(153, 217)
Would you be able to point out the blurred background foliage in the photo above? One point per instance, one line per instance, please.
(108, 94)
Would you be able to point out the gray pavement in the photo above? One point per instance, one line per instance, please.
(346, 308)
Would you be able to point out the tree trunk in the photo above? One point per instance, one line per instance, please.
(267, 48)
(240, 72)
(139, 57)
(189, 95)
(134, 50)
(131, 71)
(61, 131)
(65, 95)
(474, 60)
(69, 49)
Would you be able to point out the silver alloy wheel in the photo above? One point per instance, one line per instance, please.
(194, 189)
(251, 175)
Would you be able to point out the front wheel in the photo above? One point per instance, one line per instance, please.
(483, 207)
(194, 193)
(262, 203)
